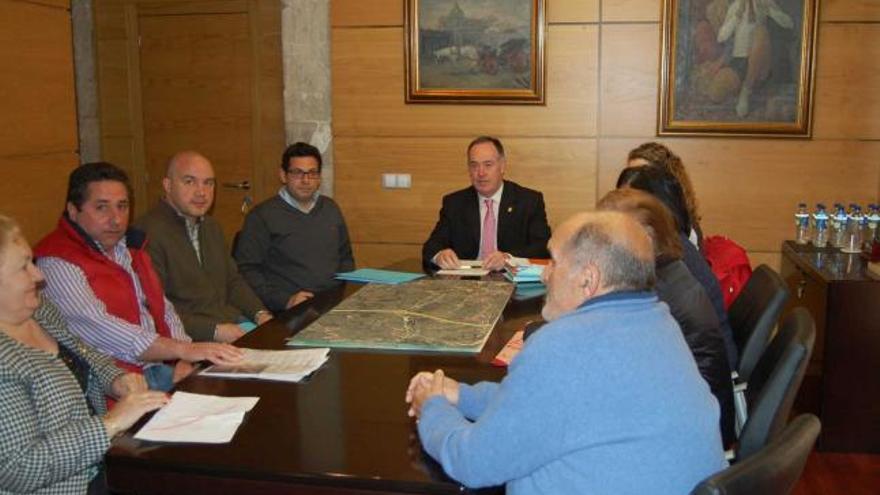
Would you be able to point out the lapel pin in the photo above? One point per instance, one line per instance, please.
(509, 209)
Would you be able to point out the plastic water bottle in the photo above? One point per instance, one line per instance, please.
(820, 226)
(837, 223)
(852, 241)
(873, 221)
(802, 224)
(875, 246)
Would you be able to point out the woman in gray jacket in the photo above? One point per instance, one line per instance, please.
(54, 424)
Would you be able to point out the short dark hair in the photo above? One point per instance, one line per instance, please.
(300, 149)
(87, 173)
(661, 184)
(487, 139)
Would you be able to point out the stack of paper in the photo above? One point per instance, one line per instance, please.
(521, 270)
(527, 277)
(372, 275)
(285, 366)
(197, 418)
(466, 268)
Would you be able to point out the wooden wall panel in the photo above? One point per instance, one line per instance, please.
(371, 254)
(34, 188)
(850, 10)
(847, 98)
(61, 4)
(109, 20)
(115, 63)
(38, 141)
(36, 84)
(368, 91)
(118, 151)
(629, 79)
(771, 259)
(366, 13)
(373, 13)
(748, 189)
(631, 10)
(113, 94)
(563, 169)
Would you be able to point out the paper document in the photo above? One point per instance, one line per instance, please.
(465, 272)
(286, 366)
(465, 264)
(372, 275)
(197, 418)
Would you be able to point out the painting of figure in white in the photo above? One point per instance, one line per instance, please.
(737, 66)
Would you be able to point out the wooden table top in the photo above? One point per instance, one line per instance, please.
(343, 430)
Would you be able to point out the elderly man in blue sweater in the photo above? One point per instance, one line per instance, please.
(606, 398)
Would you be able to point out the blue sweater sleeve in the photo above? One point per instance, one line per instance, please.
(508, 439)
(472, 399)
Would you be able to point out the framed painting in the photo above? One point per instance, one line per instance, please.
(475, 51)
(737, 67)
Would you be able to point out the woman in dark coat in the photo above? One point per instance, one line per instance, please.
(664, 186)
(686, 298)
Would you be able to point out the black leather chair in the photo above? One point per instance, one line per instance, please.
(773, 470)
(775, 382)
(752, 317)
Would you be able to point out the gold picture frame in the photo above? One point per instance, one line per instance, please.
(478, 52)
(737, 67)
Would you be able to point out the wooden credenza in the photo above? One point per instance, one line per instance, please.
(842, 384)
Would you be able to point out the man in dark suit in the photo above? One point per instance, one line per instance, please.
(490, 220)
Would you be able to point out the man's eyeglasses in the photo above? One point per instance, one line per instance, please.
(298, 174)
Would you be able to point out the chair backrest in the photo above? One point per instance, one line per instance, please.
(773, 470)
(754, 314)
(775, 382)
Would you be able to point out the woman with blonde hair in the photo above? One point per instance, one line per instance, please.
(54, 424)
(659, 155)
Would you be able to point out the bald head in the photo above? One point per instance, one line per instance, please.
(617, 244)
(181, 159)
(189, 184)
(593, 254)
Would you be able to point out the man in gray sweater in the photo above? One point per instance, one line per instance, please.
(293, 244)
(189, 253)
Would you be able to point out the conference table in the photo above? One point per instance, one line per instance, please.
(342, 430)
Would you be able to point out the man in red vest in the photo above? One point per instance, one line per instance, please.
(100, 276)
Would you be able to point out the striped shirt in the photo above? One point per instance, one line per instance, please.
(87, 316)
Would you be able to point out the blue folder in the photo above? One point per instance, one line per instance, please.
(372, 275)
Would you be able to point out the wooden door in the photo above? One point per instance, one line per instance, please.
(196, 75)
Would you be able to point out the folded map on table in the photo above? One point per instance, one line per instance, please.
(443, 315)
